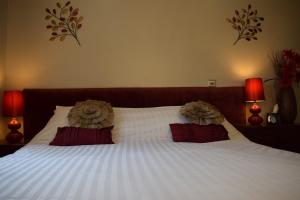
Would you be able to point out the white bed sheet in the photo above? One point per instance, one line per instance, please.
(151, 169)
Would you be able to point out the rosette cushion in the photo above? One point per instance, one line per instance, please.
(91, 114)
(202, 113)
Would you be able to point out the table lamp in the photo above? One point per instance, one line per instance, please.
(12, 106)
(254, 92)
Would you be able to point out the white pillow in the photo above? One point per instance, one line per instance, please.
(233, 133)
(153, 123)
(59, 119)
(145, 123)
(129, 123)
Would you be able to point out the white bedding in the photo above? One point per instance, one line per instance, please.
(151, 169)
(147, 165)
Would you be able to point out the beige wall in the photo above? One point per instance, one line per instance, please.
(146, 43)
(3, 9)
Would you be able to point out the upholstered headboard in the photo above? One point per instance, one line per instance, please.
(40, 103)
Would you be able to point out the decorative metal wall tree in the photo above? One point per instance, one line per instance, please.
(246, 23)
(64, 21)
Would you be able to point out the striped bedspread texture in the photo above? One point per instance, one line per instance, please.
(145, 164)
(151, 170)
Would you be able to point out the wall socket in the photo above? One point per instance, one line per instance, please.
(211, 83)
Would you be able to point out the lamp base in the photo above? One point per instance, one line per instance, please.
(255, 119)
(14, 136)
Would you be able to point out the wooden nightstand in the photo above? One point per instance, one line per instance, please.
(286, 137)
(6, 148)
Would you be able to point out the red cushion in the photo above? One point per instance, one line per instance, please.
(72, 136)
(198, 133)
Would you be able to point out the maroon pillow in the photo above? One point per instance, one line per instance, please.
(72, 136)
(198, 133)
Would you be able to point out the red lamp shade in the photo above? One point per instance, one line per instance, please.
(254, 90)
(13, 103)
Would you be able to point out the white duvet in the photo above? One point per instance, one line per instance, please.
(146, 165)
(151, 169)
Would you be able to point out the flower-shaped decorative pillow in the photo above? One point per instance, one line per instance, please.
(91, 114)
(201, 112)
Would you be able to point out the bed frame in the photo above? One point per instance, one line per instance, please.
(40, 103)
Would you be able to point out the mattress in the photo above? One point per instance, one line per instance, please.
(151, 169)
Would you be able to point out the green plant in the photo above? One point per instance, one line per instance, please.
(246, 23)
(64, 21)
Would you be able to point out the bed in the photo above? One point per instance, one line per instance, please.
(146, 167)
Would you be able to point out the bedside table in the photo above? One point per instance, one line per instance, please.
(6, 148)
(286, 137)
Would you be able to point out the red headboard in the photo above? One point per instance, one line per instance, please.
(40, 103)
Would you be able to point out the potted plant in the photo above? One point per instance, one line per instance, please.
(286, 64)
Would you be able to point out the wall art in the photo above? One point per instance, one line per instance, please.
(247, 23)
(64, 21)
